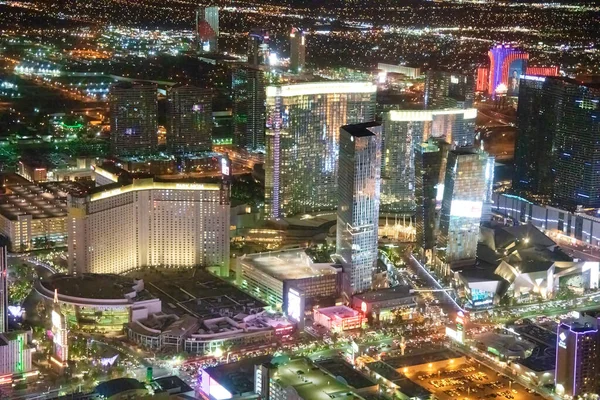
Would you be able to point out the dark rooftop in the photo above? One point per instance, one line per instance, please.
(434, 355)
(237, 378)
(397, 292)
(361, 130)
(173, 384)
(338, 367)
(116, 386)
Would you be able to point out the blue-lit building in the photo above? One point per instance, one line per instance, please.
(507, 64)
(577, 357)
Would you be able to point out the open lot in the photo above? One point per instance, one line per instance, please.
(470, 381)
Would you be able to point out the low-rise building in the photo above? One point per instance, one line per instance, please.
(338, 318)
(387, 304)
(33, 216)
(15, 354)
(270, 276)
(102, 303)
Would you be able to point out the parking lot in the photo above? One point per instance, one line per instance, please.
(470, 381)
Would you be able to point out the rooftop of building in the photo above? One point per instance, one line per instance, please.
(39, 200)
(430, 356)
(407, 387)
(287, 264)
(95, 286)
(340, 368)
(199, 293)
(361, 130)
(506, 344)
(172, 384)
(237, 378)
(115, 386)
(585, 323)
(540, 363)
(340, 312)
(393, 293)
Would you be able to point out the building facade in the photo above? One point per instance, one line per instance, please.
(303, 122)
(358, 207)
(207, 29)
(297, 51)
(556, 153)
(445, 89)
(258, 47)
(189, 119)
(462, 204)
(402, 132)
(248, 93)
(430, 170)
(133, 118)
(148, 223)
(15, 353)
(3, 286)
(577, 357)
(507, 64)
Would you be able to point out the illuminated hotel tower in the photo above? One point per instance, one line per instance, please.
(258, 47)
(303, 122)
(507, 64)
(207, 29)
(462, 204)
(248, 92)
(577, 357)
(297, 51)
(3, 286)
(358, 204)
(148, 222)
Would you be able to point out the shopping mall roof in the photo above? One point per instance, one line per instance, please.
(393, 293)
(287, 264)
(94, 286)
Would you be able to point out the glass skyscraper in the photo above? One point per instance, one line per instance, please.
(207, 29)
(248, 92)
(403, 131)
(462, 204)
(297, 50)
(358, 205)
(430, 170)
(557, 152)
(445, 89)
(189, 119)
(133, 118)
(303, 122)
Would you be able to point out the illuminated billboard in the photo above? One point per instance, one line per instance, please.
(294, 305)
(466, 209)
(515, 70)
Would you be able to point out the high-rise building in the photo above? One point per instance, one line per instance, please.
(430, 170)
(258, 47)
(297, 50)
(303, 122)
(60, 336)
(358, 204)
(507, 64)
(557, 156)
(577, 357)
(207, 29)
(148, 222)
(248, 92)
(462, 204)
(189, 119)
(3, 285)
(449, 90)
(403, 131)
(133, 118)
